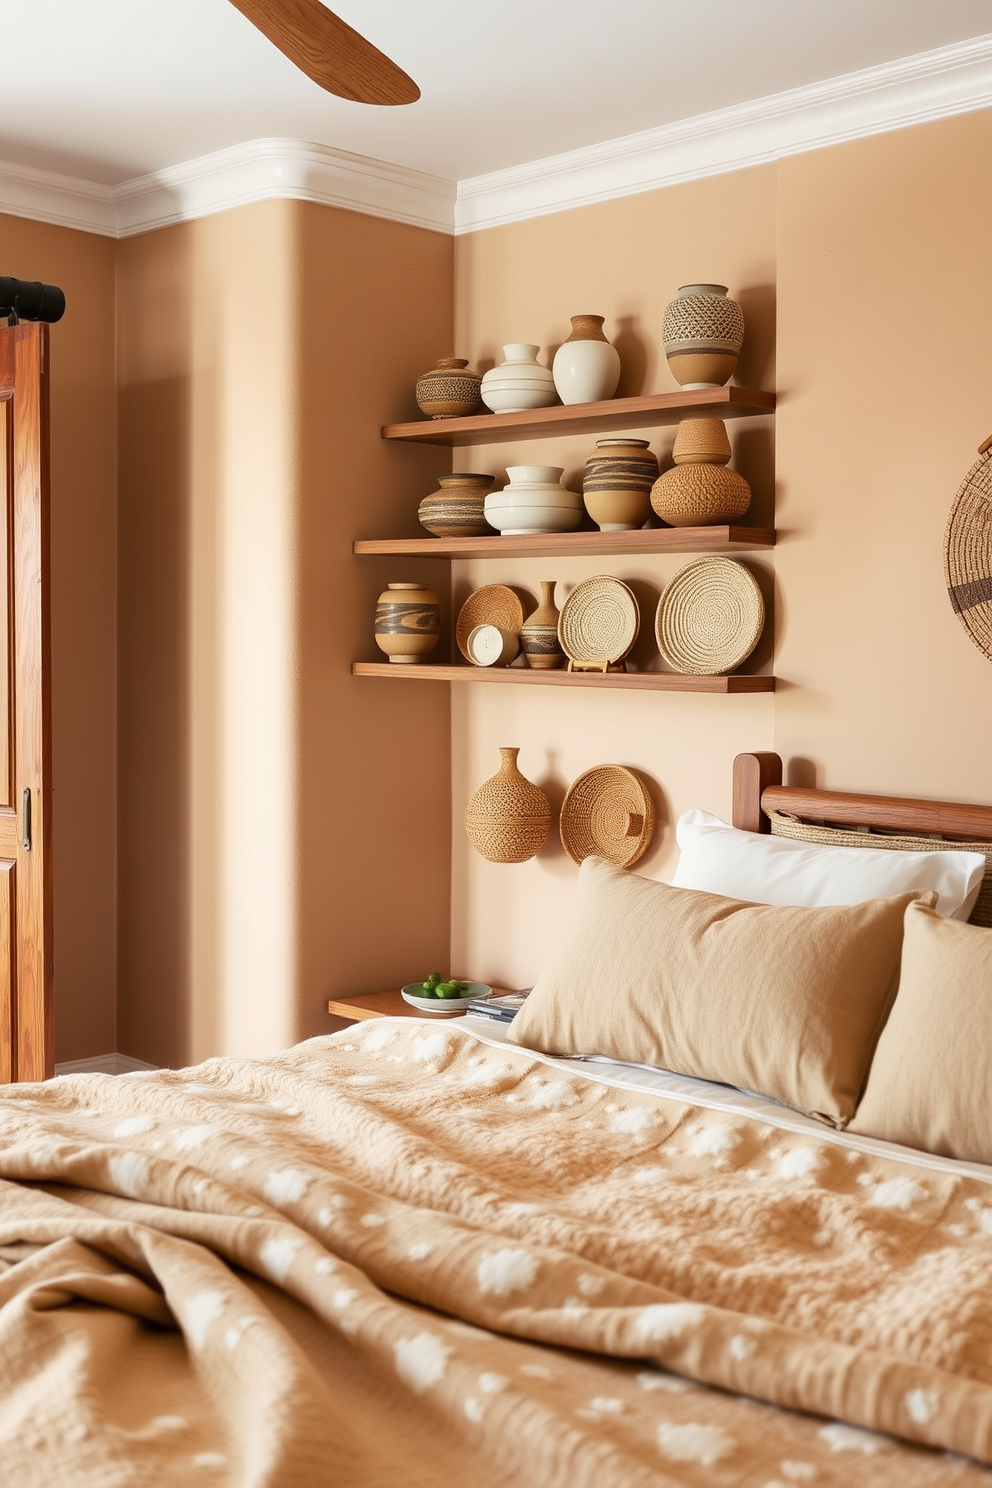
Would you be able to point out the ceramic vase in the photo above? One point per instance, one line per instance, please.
(457, 509)
(586, 367)
(449, 390)
(616, 486)
(539, 633)
(534, 501)
(519, 382)
(701, 491)
(407, 622)
(703, 332)
(508, 818)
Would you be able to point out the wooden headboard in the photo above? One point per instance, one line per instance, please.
(758, 789)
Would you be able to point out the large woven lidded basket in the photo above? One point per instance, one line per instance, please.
(799, 831)
(607, 813)
(710, 617)
(493, 604)
(599, 621)
(968, 552)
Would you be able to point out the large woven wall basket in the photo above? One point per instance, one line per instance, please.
(968, 551)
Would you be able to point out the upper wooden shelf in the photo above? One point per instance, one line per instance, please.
(580, 418)
(513, 675)
(575, 544)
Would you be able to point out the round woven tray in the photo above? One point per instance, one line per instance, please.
(968, 552)
(599, 621)
(710, 617)
(608, 813)
(494, 604)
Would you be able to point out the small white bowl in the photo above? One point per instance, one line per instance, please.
(487, 645)
(424, 1004)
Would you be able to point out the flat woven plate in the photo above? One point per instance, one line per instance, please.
(607, 812)
(710, 617)
(599, 620)
(494, 604)
(968, 552)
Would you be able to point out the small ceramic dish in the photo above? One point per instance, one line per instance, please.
(493, 604)
(443, 1004)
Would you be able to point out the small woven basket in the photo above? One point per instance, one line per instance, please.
(493, 604)
(608, 813)
(968, 552)
(710, 617)
(788, 826)
(599, 621)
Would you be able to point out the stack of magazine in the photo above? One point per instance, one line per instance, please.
(497, 1009)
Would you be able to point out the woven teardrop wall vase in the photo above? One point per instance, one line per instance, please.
(508, 818)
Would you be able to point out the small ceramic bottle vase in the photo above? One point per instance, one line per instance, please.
(534, 501)
(539, 633)
(457, 509)
(407, 622)
(586, 367)
(449, 390)
(700, 491)
(703, 332)
(508, 818)
(617, 484)
(519, 382)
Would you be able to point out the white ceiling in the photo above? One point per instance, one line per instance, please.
(107, 90)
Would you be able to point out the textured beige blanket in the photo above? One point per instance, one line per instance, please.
(402, 1256)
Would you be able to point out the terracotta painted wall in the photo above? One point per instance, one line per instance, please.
(264, 791)
(84, 623)
(866, 266)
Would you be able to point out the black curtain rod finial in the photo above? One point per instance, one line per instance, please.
(24, 299)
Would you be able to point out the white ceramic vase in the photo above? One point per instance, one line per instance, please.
(534, 501)
(519, 382)
(586, 367)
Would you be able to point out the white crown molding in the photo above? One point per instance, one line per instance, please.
(104, 1064)
(915, 90)
(260, 170)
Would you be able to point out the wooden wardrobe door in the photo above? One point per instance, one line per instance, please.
(26, 1041)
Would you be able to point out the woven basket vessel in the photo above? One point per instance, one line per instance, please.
(493, 604)
(710, 617)
(599, 621)
(798, 831)
(508, 818)
(608, 813)
(968, 552)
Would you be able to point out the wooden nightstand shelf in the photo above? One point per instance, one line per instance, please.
(385, 1005)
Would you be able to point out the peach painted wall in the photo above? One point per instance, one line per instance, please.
(866, 266)
(84, 623)
(264, 792)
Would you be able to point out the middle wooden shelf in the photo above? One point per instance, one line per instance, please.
(725, 539)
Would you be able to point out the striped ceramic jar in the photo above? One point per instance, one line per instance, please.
(407, 622)
(616, 487)
(458, 508)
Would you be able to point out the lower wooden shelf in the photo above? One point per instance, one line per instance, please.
(519, 676)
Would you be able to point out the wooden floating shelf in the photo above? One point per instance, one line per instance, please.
(575, 544)
(637, 681)
(580, 418)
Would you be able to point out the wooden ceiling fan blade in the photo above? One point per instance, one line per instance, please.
(330, 51)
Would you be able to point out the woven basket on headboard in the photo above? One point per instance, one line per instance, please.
(788, 826)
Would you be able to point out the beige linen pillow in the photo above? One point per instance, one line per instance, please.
(782, 1000)
(930, 1084)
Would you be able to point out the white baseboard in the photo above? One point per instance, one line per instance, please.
(103, 1064)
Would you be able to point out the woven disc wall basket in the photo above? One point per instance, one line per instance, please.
(968, 552)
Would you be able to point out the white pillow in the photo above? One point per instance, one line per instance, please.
(721, 859)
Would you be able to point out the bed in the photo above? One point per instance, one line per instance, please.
(417, 1252)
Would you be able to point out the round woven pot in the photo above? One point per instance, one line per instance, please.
(599, 621)
(508, 818)
(407, 622)
(450, 390)
(968, 552)
(607, 813)
(519, 382)
(539, 633)
(710, 617)
(701, 442)
(458, 509)
(703, 332)
(586, 367)
(616, 486)
(700, 496)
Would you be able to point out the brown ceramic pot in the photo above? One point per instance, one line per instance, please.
(539, 633)
(450, 390)
(616, 486)
(508, 818)
(458, 508)
(703, 332)
(407, 622)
